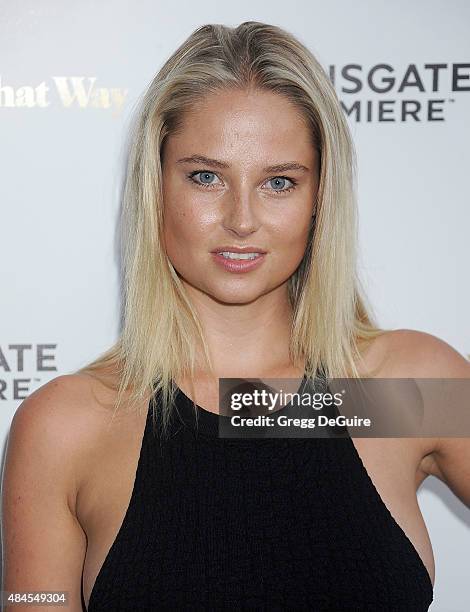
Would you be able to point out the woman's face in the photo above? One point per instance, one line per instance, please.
(242, 172)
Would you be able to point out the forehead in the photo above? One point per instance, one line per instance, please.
(237, 121)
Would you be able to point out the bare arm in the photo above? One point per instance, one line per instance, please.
(451, 457)
(427, 356)
(43, 543)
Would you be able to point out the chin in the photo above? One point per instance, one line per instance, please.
(235, 296)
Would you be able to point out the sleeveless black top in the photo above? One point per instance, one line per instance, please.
(255, 524)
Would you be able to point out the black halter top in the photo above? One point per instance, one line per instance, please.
(255, 524)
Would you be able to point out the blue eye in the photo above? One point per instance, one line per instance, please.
(206, 181)
(278, 179)
(280, 182)
(205, 177)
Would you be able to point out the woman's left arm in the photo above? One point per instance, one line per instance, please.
(431, 357)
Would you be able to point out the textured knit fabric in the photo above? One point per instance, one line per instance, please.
(255, 524)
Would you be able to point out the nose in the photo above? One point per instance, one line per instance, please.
(240, 215)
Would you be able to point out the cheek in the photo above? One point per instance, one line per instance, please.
(185, 227)
(291, 233)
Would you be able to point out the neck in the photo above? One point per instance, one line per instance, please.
(248, 340)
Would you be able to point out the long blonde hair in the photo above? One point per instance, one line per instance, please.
(161, 329)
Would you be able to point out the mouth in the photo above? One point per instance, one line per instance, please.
(239, 256)
(229, 250)
(238, 262)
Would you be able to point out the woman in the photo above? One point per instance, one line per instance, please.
(240, 147)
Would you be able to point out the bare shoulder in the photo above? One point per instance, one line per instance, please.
(63, 407)
(56, 424)
(64, 423)
(55, 409)
(409, 353)
(52, 435)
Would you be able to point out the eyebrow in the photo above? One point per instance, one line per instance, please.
(202, 159)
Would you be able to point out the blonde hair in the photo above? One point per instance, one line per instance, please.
(161, 330)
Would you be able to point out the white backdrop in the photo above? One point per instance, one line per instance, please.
(71, 74)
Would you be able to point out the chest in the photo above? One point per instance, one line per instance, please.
(290, 501)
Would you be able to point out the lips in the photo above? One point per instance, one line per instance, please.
(236, 265)
(238, 249)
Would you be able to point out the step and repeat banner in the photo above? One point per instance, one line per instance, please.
(71, 76)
